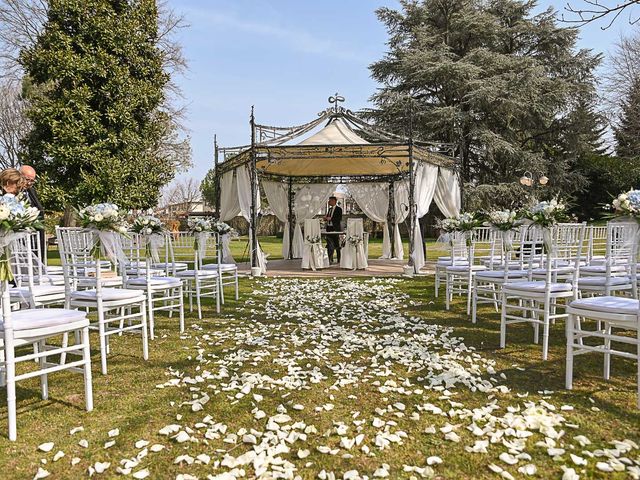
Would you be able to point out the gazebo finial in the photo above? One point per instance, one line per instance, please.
(335, 99)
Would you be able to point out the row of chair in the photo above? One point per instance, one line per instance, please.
(126, 292)
(539, 276)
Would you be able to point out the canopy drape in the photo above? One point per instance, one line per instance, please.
(425, 186)
(401, 207)
(277, 194)
(243, 179)
(229, 204)
(373, 200)
(309, 200)
(447, 194)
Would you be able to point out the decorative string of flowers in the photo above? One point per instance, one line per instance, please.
(313, 239)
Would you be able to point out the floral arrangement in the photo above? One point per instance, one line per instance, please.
(502, 220)
(354, 240)
(547, 214)
(148, 225)
(448, 225)
(627, 204)
(15, 216)
(103, 217)
(199, 225)
(222, 228)
(313, 239)
(468, 221)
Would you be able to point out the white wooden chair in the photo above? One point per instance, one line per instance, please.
(119, 310)
(163, 292)
(353, 256)
(228, 272)
(616, 272)
(22, 329)
(459, 276)
(598, 238)
(536, 302)
(200, 283)
(32, 284)
(314, 255)
(613, 316)
(487, 284)
(457, 256)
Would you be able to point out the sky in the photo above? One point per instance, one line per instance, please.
(286, 57)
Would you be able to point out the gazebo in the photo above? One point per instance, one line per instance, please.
(389, 176)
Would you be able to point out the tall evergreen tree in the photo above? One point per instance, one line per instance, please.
(627, 133)
(95, 83)
(491, 77)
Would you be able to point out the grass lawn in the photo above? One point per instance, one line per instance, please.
(127, 398)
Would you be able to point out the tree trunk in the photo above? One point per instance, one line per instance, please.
(69, 219)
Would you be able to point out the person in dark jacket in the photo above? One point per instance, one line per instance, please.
(334, 224)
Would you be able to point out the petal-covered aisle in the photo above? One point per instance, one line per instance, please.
(332, 379)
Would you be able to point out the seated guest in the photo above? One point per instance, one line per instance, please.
(12, 182)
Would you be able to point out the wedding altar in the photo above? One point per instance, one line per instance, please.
(392, 179)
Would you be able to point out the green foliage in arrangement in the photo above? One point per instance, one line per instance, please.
(95, 85)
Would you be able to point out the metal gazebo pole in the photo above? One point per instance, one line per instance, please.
(412, 185)
(253, 222)
(216, 175)
(292, 218)
(391, 215)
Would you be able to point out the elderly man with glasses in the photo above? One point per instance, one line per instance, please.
(29, 175)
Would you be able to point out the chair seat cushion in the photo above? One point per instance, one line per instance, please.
(54, 269)
(557, 270)
(465, 268)
(37, 290)
(608, 304)
(107, 282)
(602, 281)
(447, 263)
(108, 294)
(192, 273)
(602, 269)
(143, 271)
(154, 282)
(224, 267)
(43, 318)
(538, 286)
(499, 274)
(171, 265)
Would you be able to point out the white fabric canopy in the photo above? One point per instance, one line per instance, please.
(309, 200)
(425, 186)
(229, 205)
(373, 200)
(243, 179)
(447, 194)
(401, 203)
(336, 132)
(277, 194)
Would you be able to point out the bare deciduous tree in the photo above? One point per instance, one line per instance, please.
(623, 70)
(13, 123)
(182, 196)
(594, 10)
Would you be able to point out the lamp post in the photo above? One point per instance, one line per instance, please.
(527, 179)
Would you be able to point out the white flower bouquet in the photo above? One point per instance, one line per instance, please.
(222, 228)
(354, 240)
(627, 204)
(148, 225)
(152, 232)
(106, 221)
(16, 216)
(315, 239)
(103, 217)
(505, 222)
(547, 214)
(468, 221)
(200, 229)
(448, 225)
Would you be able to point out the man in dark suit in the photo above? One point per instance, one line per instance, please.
(29, 175)
(334, 224)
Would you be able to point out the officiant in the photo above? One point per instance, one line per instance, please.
(334, 224)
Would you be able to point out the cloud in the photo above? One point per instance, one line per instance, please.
(297, 40)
